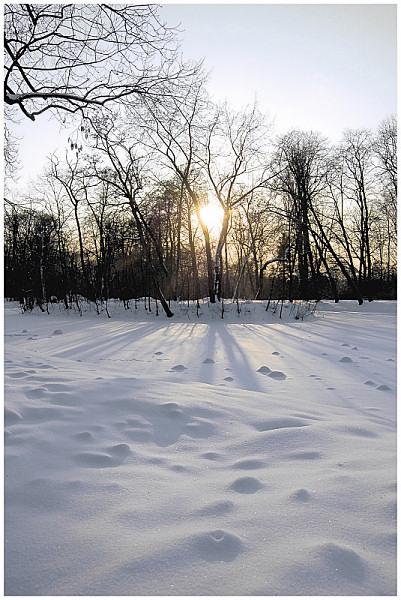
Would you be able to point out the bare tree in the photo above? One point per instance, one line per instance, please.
(174, 131)
(122, 170)
(68, 57)
(385, 153)
(356, 154)
(301, 165)
(75, 183)
(236, 165)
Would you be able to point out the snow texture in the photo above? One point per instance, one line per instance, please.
(200, 456)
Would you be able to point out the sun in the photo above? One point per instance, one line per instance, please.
(212, 216)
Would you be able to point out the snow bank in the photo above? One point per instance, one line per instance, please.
(151, 456)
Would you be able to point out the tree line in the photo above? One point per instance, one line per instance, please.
(120, 216)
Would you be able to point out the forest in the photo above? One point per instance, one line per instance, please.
(173, 196)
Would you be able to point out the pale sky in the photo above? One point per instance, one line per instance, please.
(311, 66)
(320, 67)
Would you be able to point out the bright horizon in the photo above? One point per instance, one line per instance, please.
(315, 67)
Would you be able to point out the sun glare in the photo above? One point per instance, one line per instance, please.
(212, 216)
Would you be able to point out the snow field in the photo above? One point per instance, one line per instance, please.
(153, 457)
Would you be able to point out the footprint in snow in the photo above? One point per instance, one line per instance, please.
(171, 409)
(279, 375)
(178, 368)
(211, 456)
(217, 509)
(301, 495)
(273, 374)
(158, 353)
(384, 388)
(346, 562)
(208, 361)
(58, 332)
(228, 378)
(249, 464)
(246, 485)
(217, 546)
(370, 382)
(276, 353)
(111, 457)
(346, 359)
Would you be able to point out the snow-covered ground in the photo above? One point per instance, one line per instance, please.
(199, 456)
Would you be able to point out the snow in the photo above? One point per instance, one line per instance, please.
(249, 455)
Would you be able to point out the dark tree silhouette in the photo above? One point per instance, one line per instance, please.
(68, 57)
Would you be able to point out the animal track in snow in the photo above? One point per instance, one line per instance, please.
(246, 485)
(264, 370)
(217, 546)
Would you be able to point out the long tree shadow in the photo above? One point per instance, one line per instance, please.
(245, 375)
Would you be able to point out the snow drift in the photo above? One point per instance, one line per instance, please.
(200, 456)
